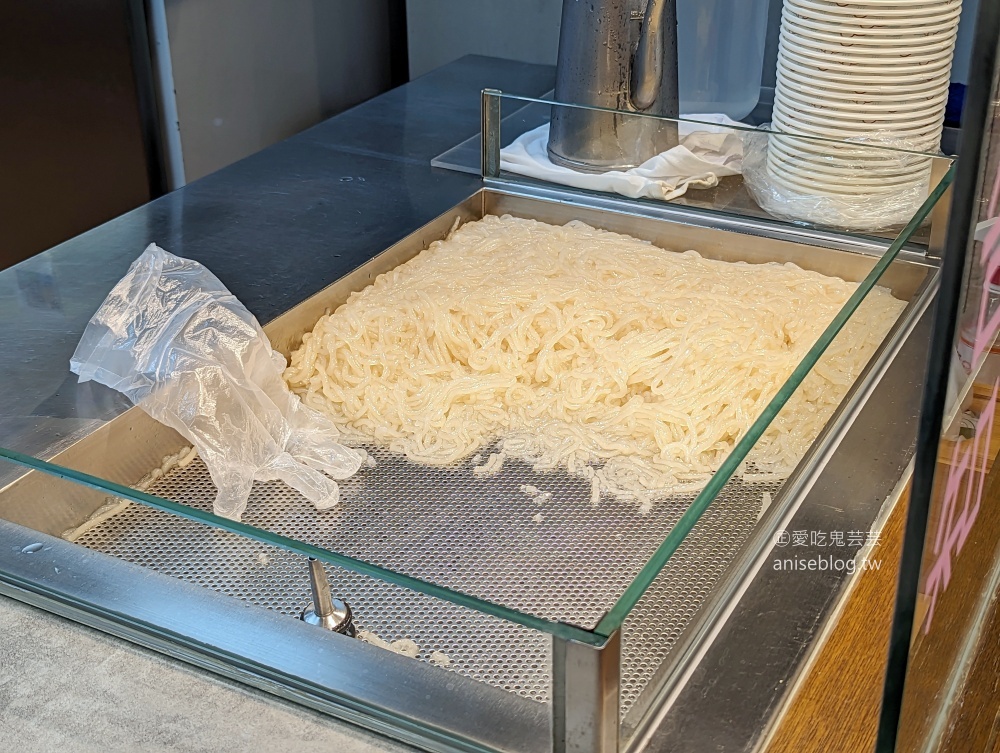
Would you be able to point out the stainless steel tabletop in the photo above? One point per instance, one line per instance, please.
(275, 228)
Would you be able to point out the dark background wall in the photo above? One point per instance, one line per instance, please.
(249, 73)
(71, 143)
(80, 137)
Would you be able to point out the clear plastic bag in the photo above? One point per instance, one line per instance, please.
(853, 184)
(178, 344)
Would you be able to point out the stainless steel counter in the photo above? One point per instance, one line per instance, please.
(275, 228)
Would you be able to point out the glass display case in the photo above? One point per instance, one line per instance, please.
(488, 625)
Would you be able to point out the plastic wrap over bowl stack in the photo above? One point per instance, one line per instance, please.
(875, 73)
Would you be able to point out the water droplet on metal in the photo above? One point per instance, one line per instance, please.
(32, 548)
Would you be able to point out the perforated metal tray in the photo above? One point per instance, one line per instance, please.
(475, 535)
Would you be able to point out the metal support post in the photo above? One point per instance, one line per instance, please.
(585, 684)
(491, 133)
(939, 214)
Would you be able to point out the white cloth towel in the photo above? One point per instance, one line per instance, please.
(708, 151)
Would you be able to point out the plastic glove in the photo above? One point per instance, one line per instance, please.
(178, 344)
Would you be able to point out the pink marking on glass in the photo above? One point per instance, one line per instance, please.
(984, 433)
(986, 331)
(952, 531)
(957, 469)
(991, 208)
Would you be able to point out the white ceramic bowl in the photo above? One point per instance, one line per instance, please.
(885, 159)
(915, 111)
(828, 52)
(834, 85)
(847, 85)
(793, 113)
(874, 154)
(840, 127)
(801, 187)
(917, 138)
(860, 212)
(886, 67)
(860, 53)
(847, 190)
(898, 33)
(843, 174)
(848, 176)
(857, 47)
(838, 24)
(847, 185)
(905, 17)
(815, 100)
(871, 145)
(821, 96)
(903, 8)
(868, 44)
(825, 97)
(876, 144)
(906, 8)
(879, 54)
(855, 150)
(835, 162)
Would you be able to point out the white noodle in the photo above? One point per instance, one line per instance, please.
(440, 659)
(403, 646)
(492, 466)
(765, 502)
(406, 647)
(115, 505)
(633, 367)
(595, 491)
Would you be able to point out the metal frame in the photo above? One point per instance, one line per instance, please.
(146, 97)
(939, 217)
(957, 243)
(390, 694)
(585, 696)
(491, 133)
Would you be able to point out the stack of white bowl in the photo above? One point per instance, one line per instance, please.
(864, 70)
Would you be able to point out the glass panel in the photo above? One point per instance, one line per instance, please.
(285, 508)
(860, 185)
(245, 617)
(725, 475)
(951, 558)
(400, 522)
(431, 553)
(683, 601)
(664, 608)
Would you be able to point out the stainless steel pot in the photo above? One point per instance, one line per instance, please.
(614, 54)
